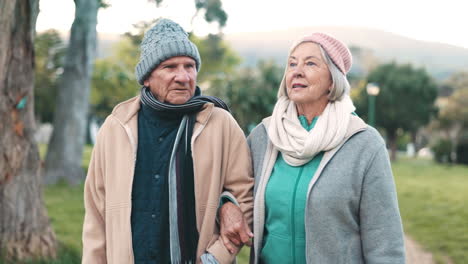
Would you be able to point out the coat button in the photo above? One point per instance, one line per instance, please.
(156, 176)
(160, 139)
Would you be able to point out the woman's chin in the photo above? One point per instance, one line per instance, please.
(299, 98)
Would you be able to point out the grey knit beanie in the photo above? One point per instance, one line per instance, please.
(165, 40)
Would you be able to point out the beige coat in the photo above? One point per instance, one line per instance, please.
(221, 160)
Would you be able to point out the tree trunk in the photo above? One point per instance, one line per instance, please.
(65, 150)
(25, 230)
(414, 140)
(392, 141)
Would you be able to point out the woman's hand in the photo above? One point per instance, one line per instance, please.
(234, 230)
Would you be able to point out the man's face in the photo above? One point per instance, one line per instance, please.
(173, 81)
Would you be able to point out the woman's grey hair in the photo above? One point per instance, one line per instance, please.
(340, 82)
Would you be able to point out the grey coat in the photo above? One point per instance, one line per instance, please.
(352, 213)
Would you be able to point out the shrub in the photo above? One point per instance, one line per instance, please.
(462, 152)
(442, 150)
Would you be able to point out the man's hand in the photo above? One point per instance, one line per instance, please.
(235, 231)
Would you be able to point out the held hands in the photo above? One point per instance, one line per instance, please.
(235, 231)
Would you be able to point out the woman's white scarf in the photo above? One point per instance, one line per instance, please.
(297, 145)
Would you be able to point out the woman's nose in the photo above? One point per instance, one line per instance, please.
(298, 71)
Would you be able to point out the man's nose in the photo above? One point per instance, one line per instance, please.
(182, 76)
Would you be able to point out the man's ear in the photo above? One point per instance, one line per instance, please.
(146, 83)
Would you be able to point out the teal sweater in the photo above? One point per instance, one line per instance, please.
(285, 199)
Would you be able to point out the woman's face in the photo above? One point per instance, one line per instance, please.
(308, 79)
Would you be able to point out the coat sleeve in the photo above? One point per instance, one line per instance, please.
(94, 236)
(380, 221)
(238, 182)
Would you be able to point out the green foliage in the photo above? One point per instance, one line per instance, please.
(49, 53)
(462, 153)
(455, 110)
(432, 201)
(458, 80)
(250, 93)
(113, 79)
(218, 59)
(364, 60)
(452, 119)
(402, 140)
(103, 4)
(462, 149)
(406, 98)
(140, 28)
(213, 11)
(442, 150)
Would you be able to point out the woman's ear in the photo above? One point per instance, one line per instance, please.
(331, 87)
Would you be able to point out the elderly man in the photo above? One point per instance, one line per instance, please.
(161, 163)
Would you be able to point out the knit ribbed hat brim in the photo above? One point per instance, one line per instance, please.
(164, 52)
(165, 40)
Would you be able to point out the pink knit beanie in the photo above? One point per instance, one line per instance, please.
(337, 50)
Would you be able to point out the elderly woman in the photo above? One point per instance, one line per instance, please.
(324, 188)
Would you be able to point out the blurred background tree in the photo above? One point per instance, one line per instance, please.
(49, 53)
(249, 92)
(113, 79)
(213, 12)
(405, 102)
(452, 120)
(70, 119)
(218, 59)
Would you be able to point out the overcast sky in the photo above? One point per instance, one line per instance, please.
(431, 20)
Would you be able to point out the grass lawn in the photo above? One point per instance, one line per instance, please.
(433, 203)
(66, 211)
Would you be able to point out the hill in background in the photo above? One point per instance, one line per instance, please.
(440, 60)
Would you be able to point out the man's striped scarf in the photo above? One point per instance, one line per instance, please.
(182, 219)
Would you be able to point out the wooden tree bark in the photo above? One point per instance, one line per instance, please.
(392, 142)
(25, 230)
(65, 150)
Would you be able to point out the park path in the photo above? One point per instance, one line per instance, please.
(415, 254)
